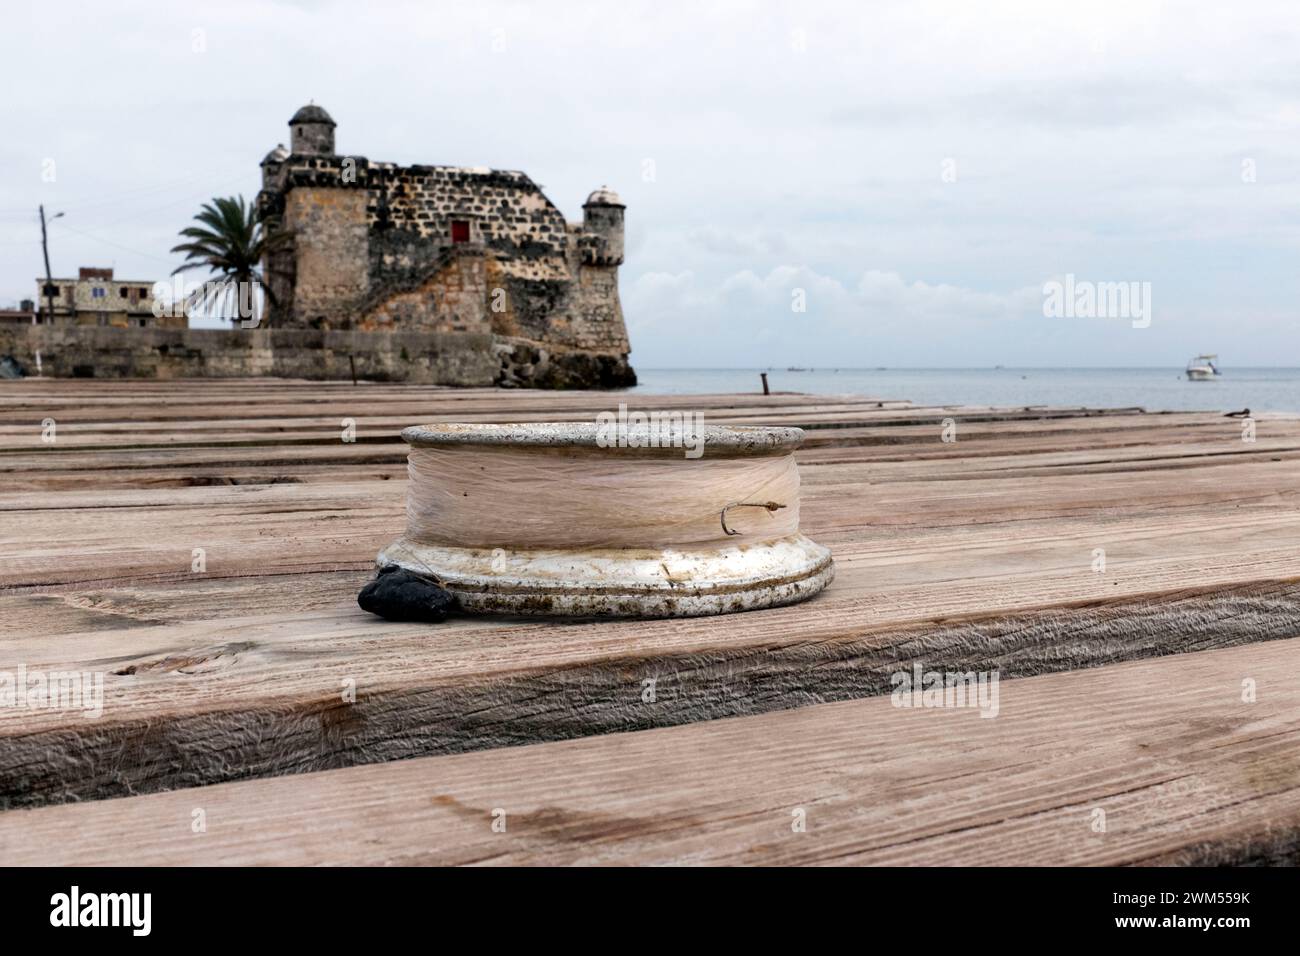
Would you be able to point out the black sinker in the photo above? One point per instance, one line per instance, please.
(400, 595)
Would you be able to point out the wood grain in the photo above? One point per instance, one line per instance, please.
(975, 553)
(1153, 762)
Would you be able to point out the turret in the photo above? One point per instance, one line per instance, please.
(602, 222)
(271, 164)
(311, 132)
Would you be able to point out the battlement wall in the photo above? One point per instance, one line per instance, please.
(423, 357)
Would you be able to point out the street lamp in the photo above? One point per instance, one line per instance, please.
(45, 249)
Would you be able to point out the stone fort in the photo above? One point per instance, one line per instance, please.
(430, 274)
(378, 247)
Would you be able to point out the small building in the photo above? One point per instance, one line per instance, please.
(25, 314)
(95, 298)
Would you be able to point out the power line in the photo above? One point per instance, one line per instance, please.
(135, 193)
(188, 197)
(117, 245)
(17, 214)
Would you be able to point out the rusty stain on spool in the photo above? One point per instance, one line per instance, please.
(623, 581)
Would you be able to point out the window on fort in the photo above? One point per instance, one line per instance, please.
(50, 290)
(460, 230)
(122, 292)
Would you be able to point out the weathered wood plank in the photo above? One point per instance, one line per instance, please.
(980, 550)
(204, 703)
(1166, 761)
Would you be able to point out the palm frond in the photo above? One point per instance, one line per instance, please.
(230, 242)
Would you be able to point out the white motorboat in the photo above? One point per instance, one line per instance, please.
(1203, 369)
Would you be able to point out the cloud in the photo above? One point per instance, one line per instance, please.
(795, 314)
(1104, 139)
(748, 319)
(725, 242)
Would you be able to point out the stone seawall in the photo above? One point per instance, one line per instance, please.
(430, 358)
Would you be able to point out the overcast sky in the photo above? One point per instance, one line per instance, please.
(918, 170)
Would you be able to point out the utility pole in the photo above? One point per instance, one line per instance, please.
(49, 282)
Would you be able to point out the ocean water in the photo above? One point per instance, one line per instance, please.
(1155, 389)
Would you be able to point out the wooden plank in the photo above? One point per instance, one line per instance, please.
(981, 550)
(1158, 762)
(212, 701)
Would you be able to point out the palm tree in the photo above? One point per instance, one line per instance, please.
(230, 244)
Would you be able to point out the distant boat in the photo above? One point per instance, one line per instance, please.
(793, 368)
(1203, 369)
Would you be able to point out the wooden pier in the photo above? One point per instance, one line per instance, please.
(1132, 577)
